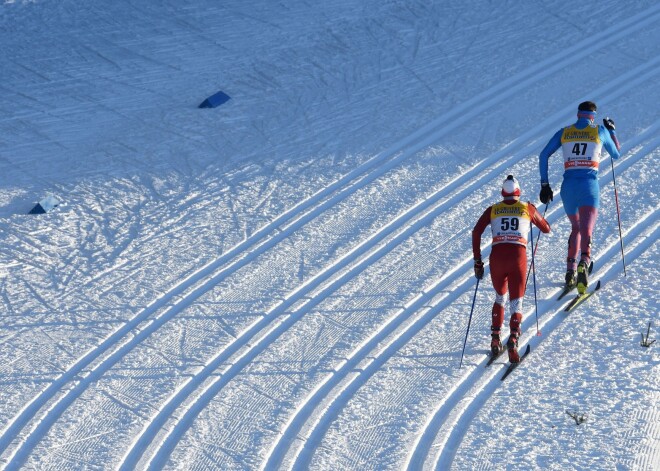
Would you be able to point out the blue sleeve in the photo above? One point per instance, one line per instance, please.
(550, 148)
(608, 142)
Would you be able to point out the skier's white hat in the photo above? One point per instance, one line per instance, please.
(510, 187)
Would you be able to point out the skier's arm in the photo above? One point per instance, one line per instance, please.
(550, 148)
(610, 142)
(538, 220)
(479, 229)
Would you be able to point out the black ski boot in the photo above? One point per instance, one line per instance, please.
(496, 344)
(570, 278)
(512, 346)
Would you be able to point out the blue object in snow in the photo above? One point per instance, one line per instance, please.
(45, 205)
(215, 100)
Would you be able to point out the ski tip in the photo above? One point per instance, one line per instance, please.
(597, 286)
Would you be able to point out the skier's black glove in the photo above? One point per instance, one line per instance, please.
(546, 193)
(478, 269)
(609, 123)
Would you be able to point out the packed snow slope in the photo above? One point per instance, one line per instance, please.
(285, 281)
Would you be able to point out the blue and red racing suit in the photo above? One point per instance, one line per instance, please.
(582, 144)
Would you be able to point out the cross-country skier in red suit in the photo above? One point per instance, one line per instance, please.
(510, 221)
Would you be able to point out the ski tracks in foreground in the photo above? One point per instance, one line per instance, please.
(445, 443)
(33, 421)
(442, 434)
(373, 355)
(190, 402)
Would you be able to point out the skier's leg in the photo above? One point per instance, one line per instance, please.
(588, 216)
(499, 280)
(516, 279)
(497, 314)
(574, 242)
(496, 326)
(516, 317)
(569, 200)
(512, 343)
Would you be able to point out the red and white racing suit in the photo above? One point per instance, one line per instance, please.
(510, 223)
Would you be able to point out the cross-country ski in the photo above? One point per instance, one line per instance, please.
(581, 298)
(513, 366)
(571, 283)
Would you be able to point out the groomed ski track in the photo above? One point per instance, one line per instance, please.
(444, 430)
(417, 313)
(190, 411)
(425, 307)
(312, 417)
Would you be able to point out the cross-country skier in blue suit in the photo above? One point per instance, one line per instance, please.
(581, 144)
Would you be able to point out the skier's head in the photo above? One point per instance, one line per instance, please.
(511, 188)
(587, 109)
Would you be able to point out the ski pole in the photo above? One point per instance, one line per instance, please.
(474, 298)
(536, 306)
(531, 265)
(618, 215)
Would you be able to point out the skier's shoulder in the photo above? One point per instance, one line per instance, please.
(603, 133)
(531, 209)
(483, 220)
(537, 219)
(602, 130)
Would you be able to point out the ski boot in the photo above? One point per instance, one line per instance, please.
(570, 278)
(582, 282)
(512, 346)
(496, 344)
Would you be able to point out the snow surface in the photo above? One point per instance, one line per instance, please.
(285, 281)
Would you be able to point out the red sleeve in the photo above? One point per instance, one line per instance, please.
(479, 229)
(537, 219)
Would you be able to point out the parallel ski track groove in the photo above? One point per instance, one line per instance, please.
(620, 85)
(354, 262)
(303, 412)
(550, 322)
(283, 226)
(377, 359)
(480, 383)
(204, 279)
